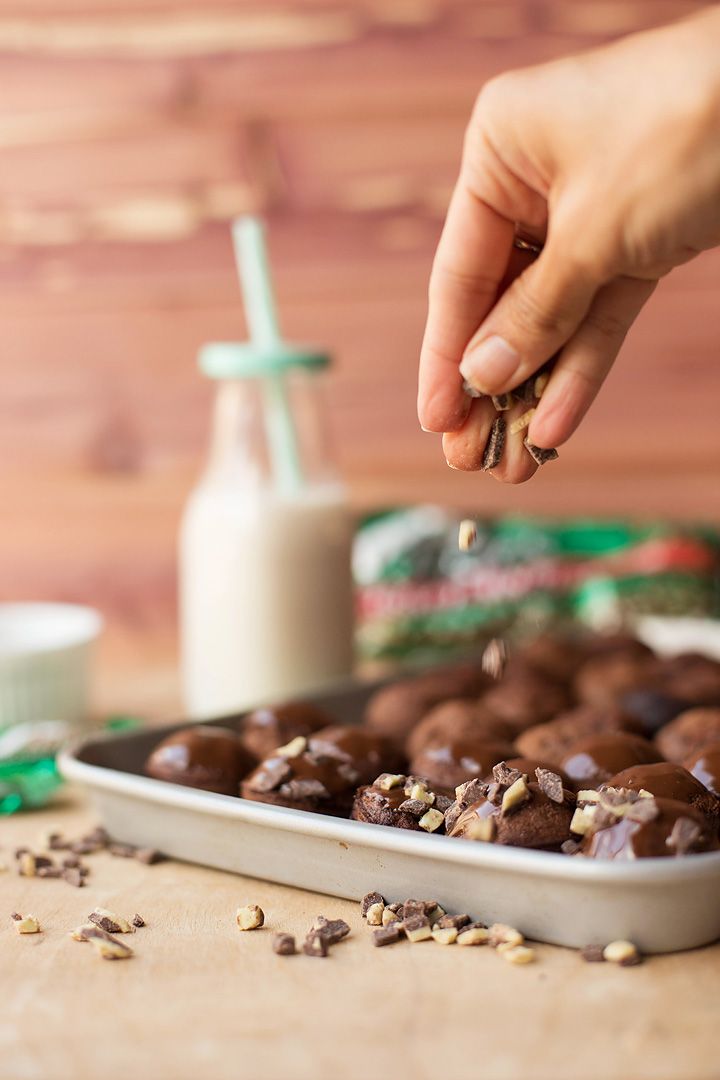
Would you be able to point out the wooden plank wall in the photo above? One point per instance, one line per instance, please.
(131, 132)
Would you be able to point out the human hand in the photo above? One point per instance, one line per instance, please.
(612, 160)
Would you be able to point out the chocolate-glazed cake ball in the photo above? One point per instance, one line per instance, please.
(687, 733)
(606, 678)
(457, 720)
(264, 729)
(365, 753)
(674, 829)
(450, 763)
(652, 708)
(704, 765)
(551, 741)
(302, 780)
(691, 677)
(668, 781)
(396, 709)
(526, 697)
(593, 760)
(389, 801)
(556, 655)
(539, 822)
(210, 758)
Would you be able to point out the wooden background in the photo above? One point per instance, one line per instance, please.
(131, 131)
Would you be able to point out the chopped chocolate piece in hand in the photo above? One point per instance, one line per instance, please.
(369, 900)
(494, 446)
(284, 945)
(502, 402)
(538, 454)
(522, 422)
(593, 954)
(495, 658)
(470, 390)
(525, 392)
(551, 784)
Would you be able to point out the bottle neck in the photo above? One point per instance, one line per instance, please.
(270, 433)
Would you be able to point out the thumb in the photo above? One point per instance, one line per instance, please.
(532, 320)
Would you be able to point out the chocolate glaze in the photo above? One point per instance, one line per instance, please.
(457, 719)
(453, 762)
(704, 765)
(332, 790)
(628, 839)
(367, 752)
(264, 729)
(662, 778)
(210, 758)
(551, 741)
(688, 732)
(537, 823)
(396, 709)
(593, 760)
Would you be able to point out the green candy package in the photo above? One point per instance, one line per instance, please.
(421, 599)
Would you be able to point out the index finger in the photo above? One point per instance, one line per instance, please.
(469, 265)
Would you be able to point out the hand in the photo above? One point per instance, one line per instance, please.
(612, 160)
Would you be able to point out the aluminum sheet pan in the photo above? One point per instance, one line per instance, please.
(663, 905)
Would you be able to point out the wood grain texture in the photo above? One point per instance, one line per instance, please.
(132, 132)
(201, 999)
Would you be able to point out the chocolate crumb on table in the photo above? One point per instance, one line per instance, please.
(284, 945)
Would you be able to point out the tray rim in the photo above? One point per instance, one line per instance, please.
(639, 872)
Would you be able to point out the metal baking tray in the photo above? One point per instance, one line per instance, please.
(663, 905)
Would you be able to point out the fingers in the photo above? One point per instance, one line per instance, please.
(586, 360)
(535, 317)
(465, 448)
(470, 262)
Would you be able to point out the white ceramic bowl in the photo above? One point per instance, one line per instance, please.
(45, 653)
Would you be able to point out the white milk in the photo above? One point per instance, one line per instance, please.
(266, 603)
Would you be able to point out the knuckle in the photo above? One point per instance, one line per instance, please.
(534, 315)
(445, 279)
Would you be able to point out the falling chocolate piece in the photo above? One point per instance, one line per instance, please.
(538, 454)
(494, 446)
(495, 658)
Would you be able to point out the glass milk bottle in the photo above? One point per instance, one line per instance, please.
(266, 605)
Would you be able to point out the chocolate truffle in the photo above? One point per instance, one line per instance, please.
(526, 697)
(450, 763)
(687, 733)
(704, 765)
(675, 828)
(556, 655)
(551, 741)
(607, 677)
(206, 757)
(668, 781)
(652, 708)
(593, 760)
(389, 801)
(366, 753)
(303, 781)
(395, 710)
(457, 720)
(691, 677)
(539, 822)
(264, 729)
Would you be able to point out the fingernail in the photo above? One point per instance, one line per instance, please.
(490, 364)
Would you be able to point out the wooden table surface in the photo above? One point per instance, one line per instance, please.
(199, 999)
